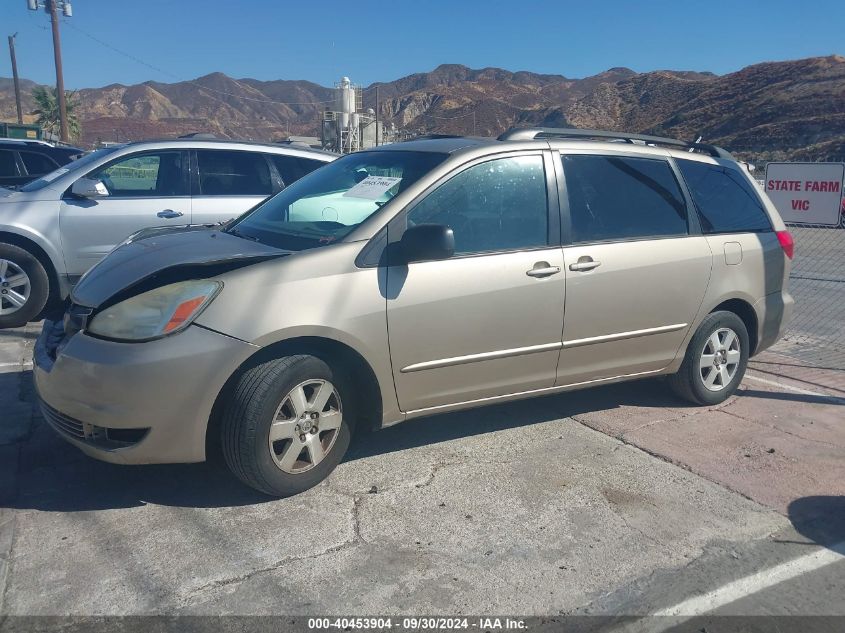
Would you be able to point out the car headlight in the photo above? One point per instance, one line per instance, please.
(155, 313)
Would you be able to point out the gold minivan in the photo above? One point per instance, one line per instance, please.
(416, 278)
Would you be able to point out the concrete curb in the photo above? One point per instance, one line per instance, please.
(7, 536)
(16, 429)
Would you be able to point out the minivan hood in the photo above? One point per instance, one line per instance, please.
(151, 253)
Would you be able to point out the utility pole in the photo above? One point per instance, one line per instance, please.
(60, 80)
(15, 76)
(52, 7)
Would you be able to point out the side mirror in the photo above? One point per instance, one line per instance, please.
(426, 242)
(89, 188)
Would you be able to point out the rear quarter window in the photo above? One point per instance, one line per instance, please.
(725, 200)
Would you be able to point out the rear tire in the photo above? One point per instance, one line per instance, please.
(715, 360)
(309, 408)
(24, 286)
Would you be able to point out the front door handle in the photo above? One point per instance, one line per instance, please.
(170, 213)
(584, 264)
(543, 269)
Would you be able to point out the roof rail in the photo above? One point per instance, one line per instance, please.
(430, 137)
(530, 134)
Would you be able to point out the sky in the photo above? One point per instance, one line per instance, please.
(130, 41)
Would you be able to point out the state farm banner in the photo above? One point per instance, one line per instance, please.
(806, 193)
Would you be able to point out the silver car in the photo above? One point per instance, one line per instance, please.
(57, 227)
(417, 278)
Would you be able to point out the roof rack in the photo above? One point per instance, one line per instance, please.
(530, 134)
(431, 137)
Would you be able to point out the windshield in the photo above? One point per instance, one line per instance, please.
(76, 165)
(327, 204)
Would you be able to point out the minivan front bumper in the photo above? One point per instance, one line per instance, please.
(135, 403)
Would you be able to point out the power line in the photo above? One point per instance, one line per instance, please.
(190, 81)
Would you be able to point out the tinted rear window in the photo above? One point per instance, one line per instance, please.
(37, 164)
(292, 168)
(619, 198)
(8, 166)
(225, 173)
(726, 201)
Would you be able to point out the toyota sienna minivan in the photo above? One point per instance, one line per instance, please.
(417, 278)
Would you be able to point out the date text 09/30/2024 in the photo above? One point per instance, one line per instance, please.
(417, 624)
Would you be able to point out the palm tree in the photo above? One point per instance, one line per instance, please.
(47, 102)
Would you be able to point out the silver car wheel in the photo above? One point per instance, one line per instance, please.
(15, 287)
(305, 426)
(719, 359)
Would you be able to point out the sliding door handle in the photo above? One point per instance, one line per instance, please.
(543, 269)
(584, 264)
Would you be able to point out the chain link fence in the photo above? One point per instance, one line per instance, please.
(817, 282)
(816, 333)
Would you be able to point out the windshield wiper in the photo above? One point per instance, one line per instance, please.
(237, 233)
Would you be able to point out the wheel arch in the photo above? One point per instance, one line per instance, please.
(745, 311)
(33, 245)
(330, 350)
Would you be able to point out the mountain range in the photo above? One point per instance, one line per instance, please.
(770, 111)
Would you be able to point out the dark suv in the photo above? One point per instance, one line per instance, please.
(22, 161)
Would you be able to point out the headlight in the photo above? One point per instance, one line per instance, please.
(156, 313)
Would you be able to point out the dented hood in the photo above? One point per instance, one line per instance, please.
(150, 253)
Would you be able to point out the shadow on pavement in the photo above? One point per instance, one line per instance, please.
(754, 361)
(56, 477)
(821, 519)
(794, 397)
(451, 426)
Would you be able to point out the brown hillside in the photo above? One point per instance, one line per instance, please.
(773, 110)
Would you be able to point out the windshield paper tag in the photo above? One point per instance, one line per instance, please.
(372, 187)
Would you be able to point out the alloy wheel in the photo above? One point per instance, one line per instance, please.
(719, 359)
(15, 287)
(305, 426)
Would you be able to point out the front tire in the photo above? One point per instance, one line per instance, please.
(24, 286)
(715, 360)
(288, 424)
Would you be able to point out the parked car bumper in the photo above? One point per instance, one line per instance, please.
(774, 314)
(135, 403)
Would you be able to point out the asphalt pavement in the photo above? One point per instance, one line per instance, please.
(620, 500)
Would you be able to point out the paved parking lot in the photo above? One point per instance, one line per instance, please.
(617, 500)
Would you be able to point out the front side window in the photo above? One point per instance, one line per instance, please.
(498, 205)
(37, 164)
(725, 200)
(329, 203)
(622, 198)
(157, 174)
(223, 173)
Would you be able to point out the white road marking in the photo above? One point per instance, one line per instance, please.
(806, 392)
(26, 364)
(759, 581)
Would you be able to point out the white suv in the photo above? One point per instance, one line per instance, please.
(55, 228)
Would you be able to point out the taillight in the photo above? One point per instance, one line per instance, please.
(786, 243)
